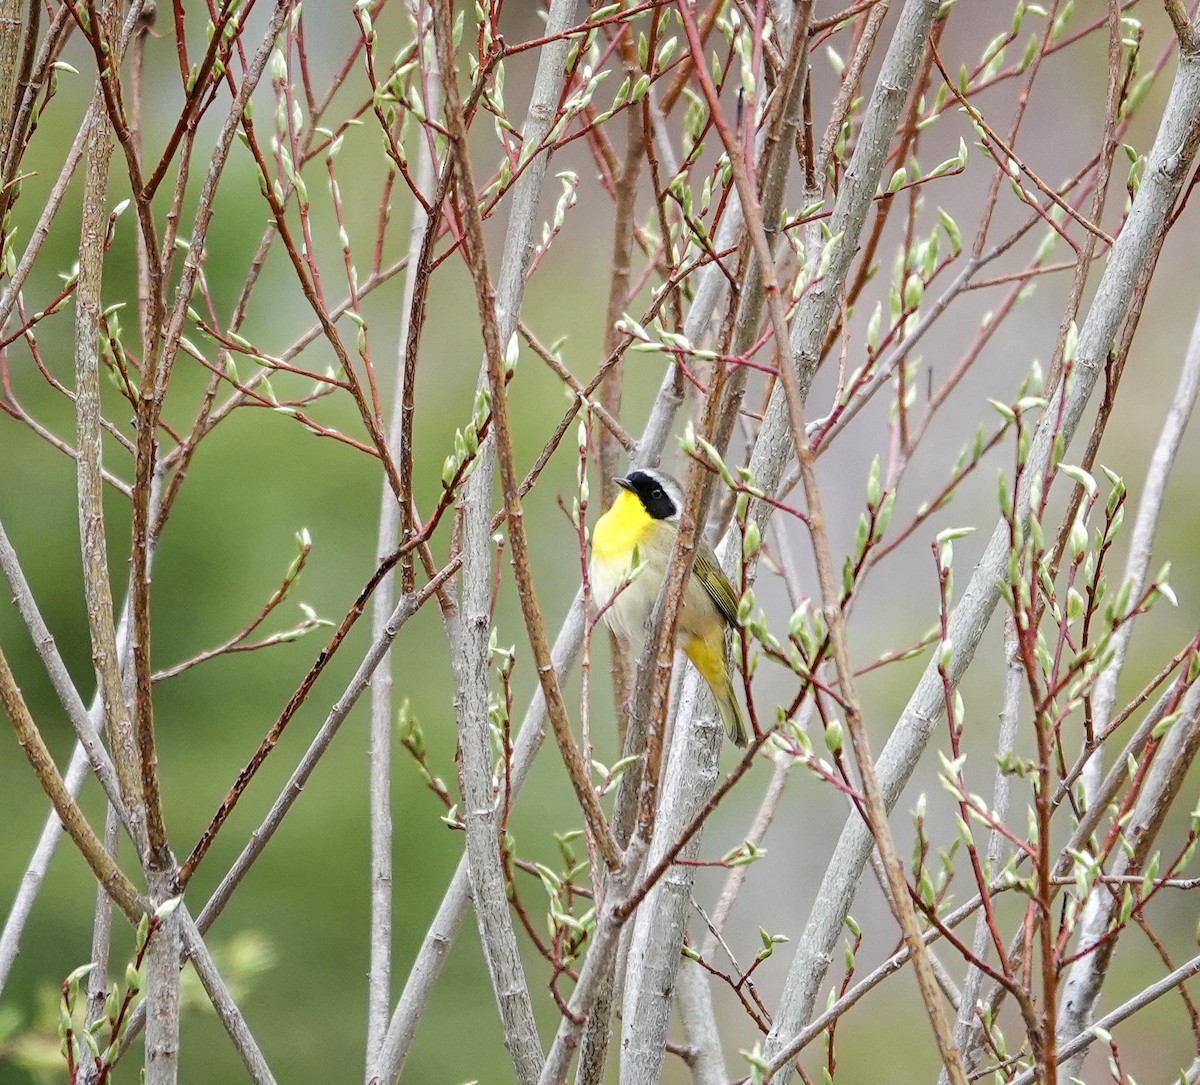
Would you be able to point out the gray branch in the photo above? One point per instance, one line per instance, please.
(89, 749)
(379, 751)
(227, 1010)
(468, 635)
(86, 724)
(996, 848)
(468, 630)
(35, 871)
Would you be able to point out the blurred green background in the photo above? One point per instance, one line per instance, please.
(260, 478)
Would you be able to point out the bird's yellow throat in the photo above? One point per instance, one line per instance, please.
(620, 529)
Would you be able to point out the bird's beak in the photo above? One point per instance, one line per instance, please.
(624, 483)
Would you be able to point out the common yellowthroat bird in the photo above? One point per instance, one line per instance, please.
(639, 530)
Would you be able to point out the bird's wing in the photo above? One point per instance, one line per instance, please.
(715, 582)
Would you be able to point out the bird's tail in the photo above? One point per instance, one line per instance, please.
(731, 715)
(710, 657)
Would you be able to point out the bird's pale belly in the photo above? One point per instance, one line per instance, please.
(627, 612)
(627, 615)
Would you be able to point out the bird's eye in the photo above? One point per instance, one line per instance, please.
(657, 493)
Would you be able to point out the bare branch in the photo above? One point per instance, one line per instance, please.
(380, 746)
(97, 587)
(227, 1010)
(1184, 30)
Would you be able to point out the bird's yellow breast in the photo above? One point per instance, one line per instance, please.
(619, 530)
(617, 549)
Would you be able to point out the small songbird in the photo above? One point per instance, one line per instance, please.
(639, 530)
